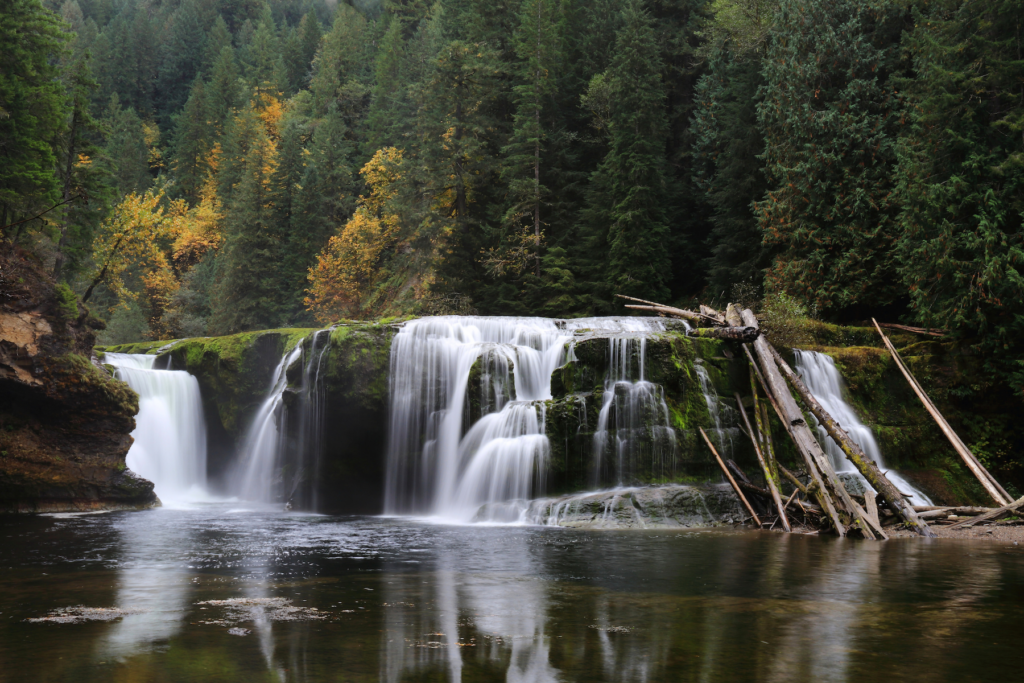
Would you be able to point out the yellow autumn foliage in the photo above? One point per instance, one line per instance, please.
(346, 268)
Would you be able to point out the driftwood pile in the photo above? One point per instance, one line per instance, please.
(818, 499)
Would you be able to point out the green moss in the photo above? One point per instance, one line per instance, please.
(66, 302)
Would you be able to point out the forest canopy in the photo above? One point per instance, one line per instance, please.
(197, 167)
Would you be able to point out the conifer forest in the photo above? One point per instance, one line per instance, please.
(203, 167)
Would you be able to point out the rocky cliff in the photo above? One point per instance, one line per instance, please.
(65, 424)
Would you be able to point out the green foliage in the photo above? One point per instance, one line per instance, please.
(962, 179)
(66, 300)
(831, 117)
(32, 106)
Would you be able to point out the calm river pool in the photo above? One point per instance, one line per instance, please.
(224, 592)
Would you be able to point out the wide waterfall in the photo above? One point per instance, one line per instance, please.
(820, 374)
(170, 432)
(467, 408)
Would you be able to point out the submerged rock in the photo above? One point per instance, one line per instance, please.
(65, 423)
(649, 507)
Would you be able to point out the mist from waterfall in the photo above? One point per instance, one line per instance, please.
(822, 377)
(170, 431)
(444, 460)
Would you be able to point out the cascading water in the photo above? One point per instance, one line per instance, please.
(266, 450)
(820, 374)
(170, 432)
(441, 462)
(634, 410)
(264, 442)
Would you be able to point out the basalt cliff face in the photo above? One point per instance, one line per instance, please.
(65, 424)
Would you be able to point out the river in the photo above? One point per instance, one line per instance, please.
(333, 598)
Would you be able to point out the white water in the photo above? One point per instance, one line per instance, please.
(440, 464)
(636, 410)
(170, 432)
(263, 443)
(820, 374)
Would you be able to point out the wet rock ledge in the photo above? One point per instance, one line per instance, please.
(65, 424)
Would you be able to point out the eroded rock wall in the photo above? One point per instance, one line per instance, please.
(65, 423)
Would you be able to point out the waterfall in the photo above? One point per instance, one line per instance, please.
(820, 374)
(263, 445)
(453, 447)
(170, 432)
(635, 409)
(272, 466)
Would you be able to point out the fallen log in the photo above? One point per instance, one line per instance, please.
(735, 486)
(740, 334)
(998, 494)
(672, 310)
(871, 508)
(712, 314)
(807, 445)
(914, 330)
(990, 515)
(892, 497)
(772, 485)
(794, 481)
(952, 509)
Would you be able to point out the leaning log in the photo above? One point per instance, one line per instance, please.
(672, 310)
(789, 413)
(776, 498)
(993, 488)
(891, 496)
(728, 474)
(740, 334)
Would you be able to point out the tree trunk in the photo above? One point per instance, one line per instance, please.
(999, 495)
(728, 474)
(772, 484)
(818, 486)
(892, 497)
(58, 263)
(740, 334)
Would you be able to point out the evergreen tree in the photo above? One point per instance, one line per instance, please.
(831, 118)
(539, 51)
(248, 292)
(217, 39)
(222, 93)
(192, 144)
(961, 243)
(32, 106)
(631, 191)
(181, 57)
(125, 151)
(78, 171)
(384, 118)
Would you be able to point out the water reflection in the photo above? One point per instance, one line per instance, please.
(412, 602)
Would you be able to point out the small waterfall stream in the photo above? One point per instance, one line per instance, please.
(820, 374)
(635, 409)
(170, 431)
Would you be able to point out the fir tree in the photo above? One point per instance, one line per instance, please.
(192, 144)
(631, 190)
(33, 105)
(222, 93)
(961, 245)
(125, 151)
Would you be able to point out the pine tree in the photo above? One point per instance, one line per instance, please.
(961, 244)
(338, 60)
(248, 291)
(181, 57)
(33, 105)
(223, 93)
(78, 173)
(384, 117)
(218, 38)
(631, 191)
(538, 48)
(192, 144)
(125, 151)
(831, 118)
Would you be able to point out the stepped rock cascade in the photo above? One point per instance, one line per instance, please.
(466, 425)
(170, 431)
(635, 409)
(822, 377)
(263, 446)
(721, 434)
